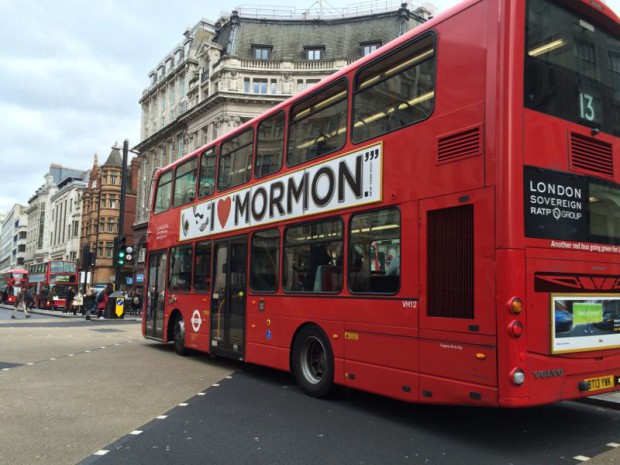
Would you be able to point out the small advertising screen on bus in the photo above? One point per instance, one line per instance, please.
(586, 322)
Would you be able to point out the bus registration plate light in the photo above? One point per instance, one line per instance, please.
(600, 383)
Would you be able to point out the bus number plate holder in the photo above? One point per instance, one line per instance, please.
(600, 383)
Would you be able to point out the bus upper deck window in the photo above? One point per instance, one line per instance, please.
(163, 193)
(395, 91)
(318, 125)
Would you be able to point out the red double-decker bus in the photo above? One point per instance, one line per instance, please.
(51, 281)
(438, 222)
(12, 281)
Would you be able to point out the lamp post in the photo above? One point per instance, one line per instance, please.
(121, 215)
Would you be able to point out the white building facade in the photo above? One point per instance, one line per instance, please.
(13, 238)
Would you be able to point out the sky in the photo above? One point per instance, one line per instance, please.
(72, 73)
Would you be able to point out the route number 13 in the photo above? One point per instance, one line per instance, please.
(586, 107)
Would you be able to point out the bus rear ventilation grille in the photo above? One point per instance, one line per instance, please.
(591, 155)
(459, 145)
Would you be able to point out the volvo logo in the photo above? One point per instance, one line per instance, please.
(554, 373)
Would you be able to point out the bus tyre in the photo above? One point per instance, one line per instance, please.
(179, 337)
(313, 362)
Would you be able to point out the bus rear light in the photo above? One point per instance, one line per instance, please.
(517, 377)
(516, 329)
(516, 306)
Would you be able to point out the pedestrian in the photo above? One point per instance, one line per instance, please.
(89, 300)
(78, 302)
(102, 301)
(137, 303)
(45, 294)
(20, 302)
(5, 296)
(69, 300)
(152, 303)
(29, 298)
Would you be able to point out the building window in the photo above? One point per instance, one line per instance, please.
(314, 53)
(261, 52)
(369, 47)
(113, 179)
(305, 83)
(260, 86)
(111, 225)
(109, 249)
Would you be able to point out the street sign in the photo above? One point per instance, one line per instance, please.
(120, 306)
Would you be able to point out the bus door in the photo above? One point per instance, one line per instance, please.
(156, 295)
(228, 297)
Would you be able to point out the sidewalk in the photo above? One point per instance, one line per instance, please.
(60, 314)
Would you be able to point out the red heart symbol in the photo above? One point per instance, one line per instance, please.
(223, 210)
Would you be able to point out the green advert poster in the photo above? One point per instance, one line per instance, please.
(585, 312)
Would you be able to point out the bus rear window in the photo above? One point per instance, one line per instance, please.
(572, 67)
(395, 91)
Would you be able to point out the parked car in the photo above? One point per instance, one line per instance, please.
(610, 317)
(563, 321)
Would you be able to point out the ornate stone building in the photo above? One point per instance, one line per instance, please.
(101, 213)
(223, 74)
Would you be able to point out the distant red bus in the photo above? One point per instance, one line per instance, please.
(12, 281)
(438, 222)
(51, 280)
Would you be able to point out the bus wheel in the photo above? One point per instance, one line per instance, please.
(313, 362)
(179, 337)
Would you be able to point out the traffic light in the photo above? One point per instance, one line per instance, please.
(124, 253)
(121, 250)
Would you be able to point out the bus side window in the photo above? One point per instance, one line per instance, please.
(180, 274)
(163, 193)
(396, 91)
(313, 257)
(206, 185)
(265, 260)
(374, 252)
(318, 125)
(202, 267)
(235, 166)
(185, 183)
(269, 145)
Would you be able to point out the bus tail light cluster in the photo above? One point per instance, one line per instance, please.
(515, 306)
(516, 329)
